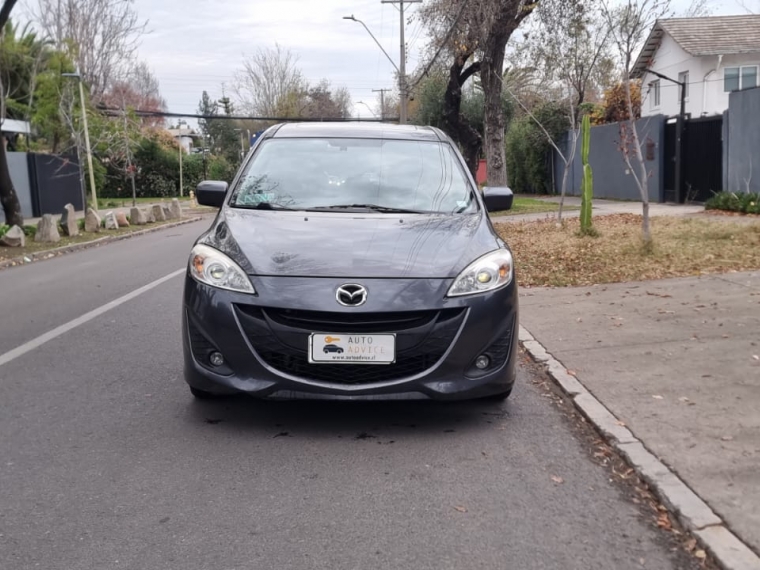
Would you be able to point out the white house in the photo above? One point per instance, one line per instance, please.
(185, 137)
(713, 56)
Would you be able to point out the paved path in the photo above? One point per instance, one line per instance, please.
(108, 463)
(606, 207)
(679, 362)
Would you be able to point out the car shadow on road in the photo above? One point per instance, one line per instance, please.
(360, 420)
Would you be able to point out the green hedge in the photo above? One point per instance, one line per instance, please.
(744, 202)
(529, 152)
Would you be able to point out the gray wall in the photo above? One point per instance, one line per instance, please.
(20, 176)
(611, 179)
(741, 142)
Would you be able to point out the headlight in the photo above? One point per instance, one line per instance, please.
(492, 271)
(212, 267)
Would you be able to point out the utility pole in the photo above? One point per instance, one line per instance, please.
(94, 198)
(179, 140)
(382, 101)
(402, 86)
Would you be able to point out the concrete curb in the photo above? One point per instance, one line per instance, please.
(693, 513)
(50, 253)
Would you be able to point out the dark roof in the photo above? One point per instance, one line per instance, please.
(714, 35)
(358, 130)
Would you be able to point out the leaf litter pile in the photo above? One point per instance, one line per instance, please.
(547, 254)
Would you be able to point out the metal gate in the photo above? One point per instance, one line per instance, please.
(702, 160)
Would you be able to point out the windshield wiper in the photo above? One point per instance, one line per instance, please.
(373, 207)
(262, 206)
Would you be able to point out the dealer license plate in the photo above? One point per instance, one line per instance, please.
(352, 348)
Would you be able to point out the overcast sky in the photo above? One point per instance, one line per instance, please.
(199, 44)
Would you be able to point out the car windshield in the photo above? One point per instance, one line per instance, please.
(355, 174)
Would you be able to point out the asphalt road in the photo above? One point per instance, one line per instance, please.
(107, 462)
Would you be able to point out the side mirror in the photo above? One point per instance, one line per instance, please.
(498, 198)
(211, 193)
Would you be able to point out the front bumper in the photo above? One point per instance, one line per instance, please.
(264, 339)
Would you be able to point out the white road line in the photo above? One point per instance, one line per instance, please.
(64, 328)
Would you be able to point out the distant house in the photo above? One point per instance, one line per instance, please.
(713, 56)
(185, 137)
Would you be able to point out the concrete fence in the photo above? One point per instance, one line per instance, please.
(612, 178)
(741, 142)
(45, 183)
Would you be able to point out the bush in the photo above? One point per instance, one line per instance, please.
(743, 202)
(529, 152)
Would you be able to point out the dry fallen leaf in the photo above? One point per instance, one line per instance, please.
(756, 357)
(657, 397)
(557, 479)
(701, 554)
(460, 509)
(691, 544)
(663, 521)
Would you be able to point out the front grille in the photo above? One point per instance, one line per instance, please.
(281, 339)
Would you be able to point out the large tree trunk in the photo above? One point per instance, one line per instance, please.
(496, 158)
(8, 196)
(506, 20)
(454, 123)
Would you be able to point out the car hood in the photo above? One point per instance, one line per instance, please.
(351, 245)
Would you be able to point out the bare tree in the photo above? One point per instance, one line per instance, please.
(269, 78)
(139, 89)
(699, 9)
(630, 23)
(569, 40)
(8, 196)
(101, 36)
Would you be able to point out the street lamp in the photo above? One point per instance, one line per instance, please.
(401, 72)
(77, 76)
(368, 107)
(679, 130)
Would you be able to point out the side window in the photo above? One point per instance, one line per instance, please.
(731, 79)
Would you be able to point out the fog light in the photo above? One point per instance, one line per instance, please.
(216, 358)
(482, 362)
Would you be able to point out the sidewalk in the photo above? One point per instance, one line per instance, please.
(678, 362)
(604, 208)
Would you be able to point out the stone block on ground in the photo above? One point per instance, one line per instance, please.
(111, 222)
(14, 237)
(167, 212)
(91, 221)
(121, 220)
(138, 217)
(176, 209)
(69, 221)
(158, 213)
(149, 217)
(47, 230)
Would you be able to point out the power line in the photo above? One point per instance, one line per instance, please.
(112, 112)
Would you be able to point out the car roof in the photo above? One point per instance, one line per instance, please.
(358, 130)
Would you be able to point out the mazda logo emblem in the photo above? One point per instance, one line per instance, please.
(351, 295)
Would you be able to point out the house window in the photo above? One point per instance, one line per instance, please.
(654, 88)
(737, 78)
(683, 77)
